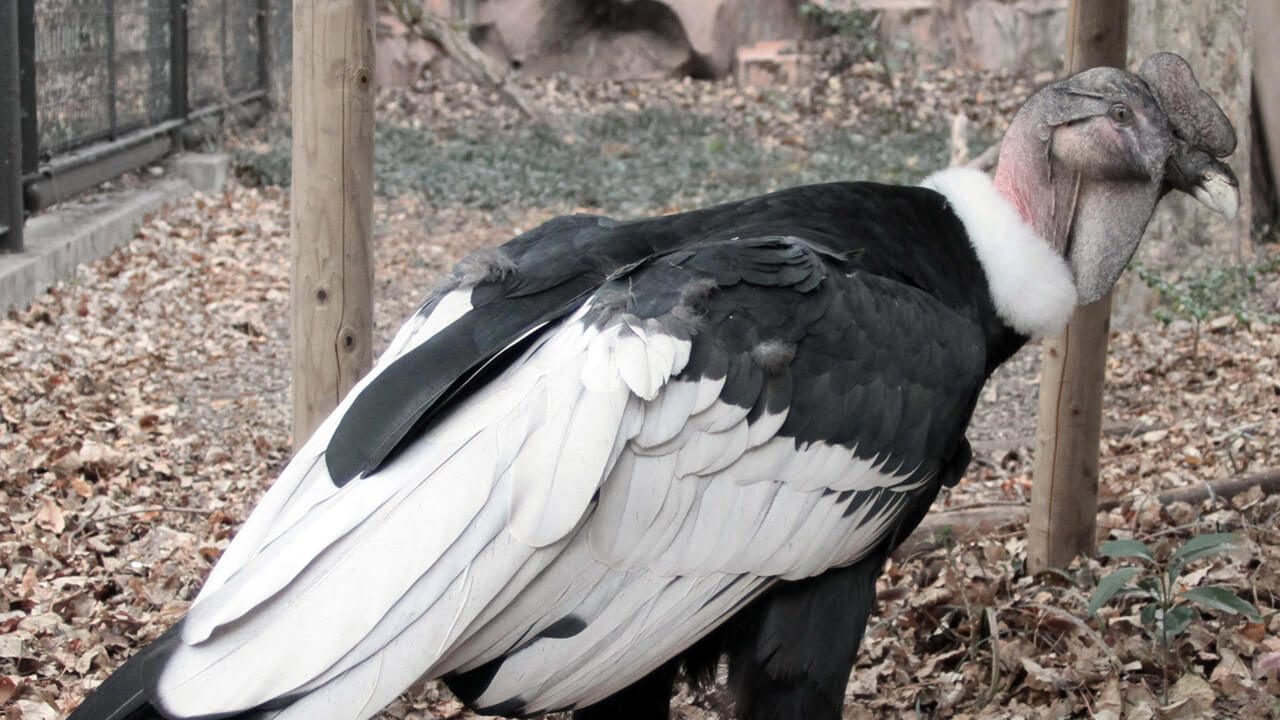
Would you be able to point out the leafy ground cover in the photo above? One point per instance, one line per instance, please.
(143, 406)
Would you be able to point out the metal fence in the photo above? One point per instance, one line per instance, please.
(105, 86)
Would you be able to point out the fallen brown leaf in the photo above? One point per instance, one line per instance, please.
(8, 687)
(1189, 698)
(50, 516)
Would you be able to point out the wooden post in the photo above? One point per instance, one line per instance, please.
(1263, 19)
(1064, 494)
(332, 205)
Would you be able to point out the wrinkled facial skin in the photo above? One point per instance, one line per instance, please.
(1089, 158)
(1108, 160)
(1203, 134)
(1126, 141)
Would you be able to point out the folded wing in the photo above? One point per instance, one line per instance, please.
(695, 428)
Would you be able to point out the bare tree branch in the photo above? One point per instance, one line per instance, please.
(973, 522)
(987, 158)
(453, 40)
(1268, 481)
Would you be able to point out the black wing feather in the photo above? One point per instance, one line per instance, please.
(793, 239)
(404, 395)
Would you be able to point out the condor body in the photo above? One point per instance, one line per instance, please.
(606, 449)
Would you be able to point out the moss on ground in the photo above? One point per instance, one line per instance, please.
(621, 163)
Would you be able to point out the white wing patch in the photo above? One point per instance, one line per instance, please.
(305, 482)
(585, 482)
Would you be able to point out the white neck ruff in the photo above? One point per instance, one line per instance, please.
(1031, 284)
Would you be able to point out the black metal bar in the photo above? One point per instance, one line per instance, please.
(27, 67)
(96, 152)
(76, 172)
(241, 99)
(110, 8)
(264, 50)
(225, 64)
(157, 26)
(10, 132)
(179, 105)
(80, 170)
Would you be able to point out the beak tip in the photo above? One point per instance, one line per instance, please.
(1219, 194)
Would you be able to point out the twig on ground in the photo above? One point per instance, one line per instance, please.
(1268, 481)
(157, 509)
(967, 522)
(1240, 430)
(964, 525)
(993, 629)
(989, 503)
(1080, 624)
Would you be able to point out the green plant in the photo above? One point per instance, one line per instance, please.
(1210, 291)
(267, 162)
(856, 23)
(1168, 610)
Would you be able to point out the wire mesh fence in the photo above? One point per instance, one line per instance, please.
(102, 69)
(96, 79)
(224, 49)
(105, 67)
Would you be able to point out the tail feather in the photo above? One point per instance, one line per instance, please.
(124, 695)
(127, 693)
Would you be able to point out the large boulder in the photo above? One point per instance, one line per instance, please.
(592, 38)
(980, 34)
(628, 38)
(401, 54)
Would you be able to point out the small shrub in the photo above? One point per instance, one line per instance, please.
(1212, 291)
(856, 23)
(1167, 609)
(624, 164)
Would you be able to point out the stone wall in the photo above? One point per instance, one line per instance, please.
(980, 34)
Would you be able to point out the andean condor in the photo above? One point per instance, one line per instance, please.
(606, 449)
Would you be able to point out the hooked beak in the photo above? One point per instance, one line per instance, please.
(1218, 189)
(1204, 177)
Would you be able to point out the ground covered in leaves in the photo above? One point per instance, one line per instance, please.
(143, 406)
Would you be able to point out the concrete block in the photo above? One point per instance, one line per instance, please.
(207, 172)
(59, 241)
(772, 62)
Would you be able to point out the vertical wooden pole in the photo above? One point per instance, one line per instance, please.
(1264, 17)
(1064, 494)
(332, 204)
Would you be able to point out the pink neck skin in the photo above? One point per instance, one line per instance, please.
(1007, 185)
(1024, 178)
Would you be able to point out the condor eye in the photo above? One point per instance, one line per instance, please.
(1120, 114)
